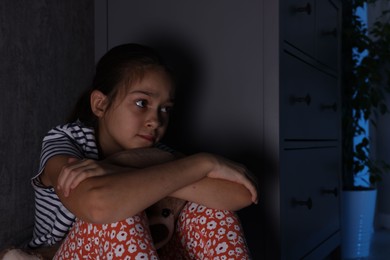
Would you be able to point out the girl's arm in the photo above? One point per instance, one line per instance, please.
(217, 194)
(113, 197)
(213, 193)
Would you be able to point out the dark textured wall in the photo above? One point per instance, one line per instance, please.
(46, 60)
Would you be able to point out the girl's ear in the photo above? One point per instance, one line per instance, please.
(98, 103)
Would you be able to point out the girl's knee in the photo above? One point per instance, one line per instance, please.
(206, 232)
(129, 237)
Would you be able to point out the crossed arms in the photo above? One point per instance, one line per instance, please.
(129, 182)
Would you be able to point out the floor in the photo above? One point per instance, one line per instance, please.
(380, 247)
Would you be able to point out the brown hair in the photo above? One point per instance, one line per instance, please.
(125, 63)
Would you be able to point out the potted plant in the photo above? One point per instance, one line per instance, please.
(366, 81)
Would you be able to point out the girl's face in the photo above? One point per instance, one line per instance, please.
(138, 117)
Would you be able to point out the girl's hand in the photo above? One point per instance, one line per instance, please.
(73, 173)
(78, 170)
(231, 171)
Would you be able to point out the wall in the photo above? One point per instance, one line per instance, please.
(47, 59)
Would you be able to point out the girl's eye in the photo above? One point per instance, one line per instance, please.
(141, 103)
(166, 109)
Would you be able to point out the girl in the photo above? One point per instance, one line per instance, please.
(102, 173)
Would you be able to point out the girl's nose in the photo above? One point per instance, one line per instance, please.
(153, 120)
(151, 124)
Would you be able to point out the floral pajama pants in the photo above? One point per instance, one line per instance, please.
(200, 233)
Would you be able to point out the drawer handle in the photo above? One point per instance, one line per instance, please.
(330, 107)
(335, 192)
(330, 33)
(307, 203)
(306, 99)
(304, 9)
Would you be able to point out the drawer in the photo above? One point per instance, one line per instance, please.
(312, 27)
(299, 24)
(328, 33)
(310, 198)
(309, 102)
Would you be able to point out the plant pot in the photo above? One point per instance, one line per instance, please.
(357, 222)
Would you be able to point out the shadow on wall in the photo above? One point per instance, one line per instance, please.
(187, 66)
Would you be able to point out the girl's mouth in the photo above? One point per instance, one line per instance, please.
(149, 138)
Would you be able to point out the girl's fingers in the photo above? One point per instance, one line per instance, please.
(62, 176)
(252, 189)
(247, 179)
(235, 172)
(250, 186)
(75, 176)
(69, 172)
(77, 171)
(87, 171)
(253, 186)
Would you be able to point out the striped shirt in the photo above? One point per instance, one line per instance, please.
(52, 219)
